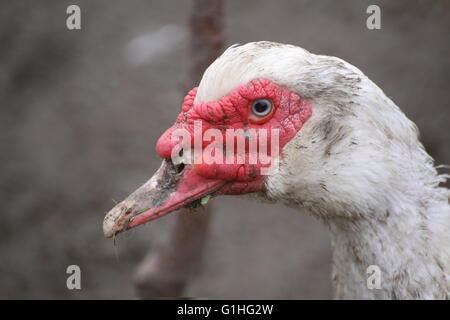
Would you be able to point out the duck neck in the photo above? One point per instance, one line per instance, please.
(394, 257)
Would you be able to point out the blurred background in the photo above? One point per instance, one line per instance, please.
(81, 110)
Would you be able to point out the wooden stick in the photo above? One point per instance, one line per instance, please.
(167, 272)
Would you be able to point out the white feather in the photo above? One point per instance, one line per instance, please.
(356, 164)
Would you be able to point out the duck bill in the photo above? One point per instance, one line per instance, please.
(168, 190)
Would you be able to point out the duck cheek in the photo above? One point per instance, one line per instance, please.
(229, 172)
(238, 188)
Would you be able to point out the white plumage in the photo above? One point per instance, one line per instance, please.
(357, 165)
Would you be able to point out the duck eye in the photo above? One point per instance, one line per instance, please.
(262, 107)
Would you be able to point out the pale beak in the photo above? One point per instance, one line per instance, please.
(170, 188)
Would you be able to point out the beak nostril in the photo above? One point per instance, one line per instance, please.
(180, 167)
(180, 153)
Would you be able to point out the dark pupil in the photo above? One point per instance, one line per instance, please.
(261, 106)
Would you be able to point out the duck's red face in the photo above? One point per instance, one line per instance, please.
(260, 111)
